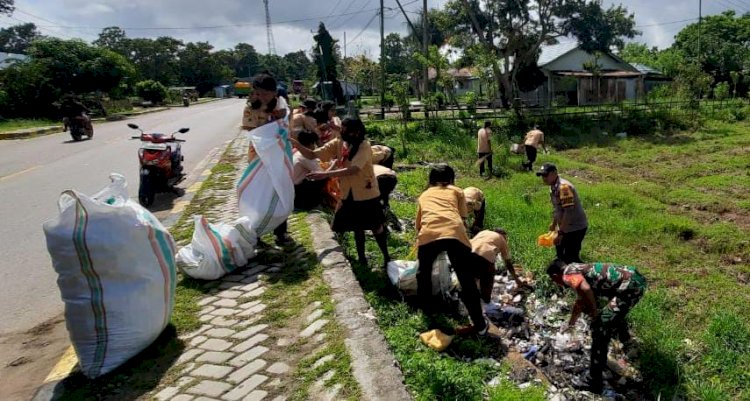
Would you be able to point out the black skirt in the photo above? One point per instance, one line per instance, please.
(358, 215)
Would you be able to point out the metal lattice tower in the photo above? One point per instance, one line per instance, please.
(269, 31)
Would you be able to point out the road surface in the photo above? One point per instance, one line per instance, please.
(33, 172)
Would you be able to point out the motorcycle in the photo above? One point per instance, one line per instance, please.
(77, 127)
(185, 101)
(160, 157)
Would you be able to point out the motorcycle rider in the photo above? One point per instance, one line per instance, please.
(72, 108)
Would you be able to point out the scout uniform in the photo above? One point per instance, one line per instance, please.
(484, 149)
(623, 286)
(488, 245)
(382, 155)
(254, 118)
(441, 211)
(531, 143)
(570, 217)
(476, 205)
(387, 181)
(360, 208)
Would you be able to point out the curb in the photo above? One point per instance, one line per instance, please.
(54, 385)
(33, 133)
(373, 365)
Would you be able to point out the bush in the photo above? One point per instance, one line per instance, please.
(721, 91)
(471, 100)
(151, 91)
(389, 101)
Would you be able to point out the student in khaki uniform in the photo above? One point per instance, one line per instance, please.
(303, 119)
(476, 206)
(264, 106)
(533, 139)
(484, 148)
(487, 245)
(441, 211)
(383, 155)
(331, 128)
(360, 207)
(568, 217)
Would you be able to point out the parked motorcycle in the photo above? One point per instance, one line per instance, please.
(161, 159)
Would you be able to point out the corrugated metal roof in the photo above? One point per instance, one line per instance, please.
(551, 53)
(644, 69)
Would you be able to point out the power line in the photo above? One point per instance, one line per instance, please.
(214, 26)
(42, 28)
(365, 28)
(733, 4)
(667, 23)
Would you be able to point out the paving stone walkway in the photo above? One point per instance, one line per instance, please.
(253, 346)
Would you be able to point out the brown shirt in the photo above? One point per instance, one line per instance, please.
(568, 211)
(440, 215)
(534, 138)
(488, 244)
(363, 185)
(382, 171)
(483, 141)
(474, 198)
(254, 118)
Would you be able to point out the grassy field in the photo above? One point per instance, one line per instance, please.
(19, 124)
(677, 206)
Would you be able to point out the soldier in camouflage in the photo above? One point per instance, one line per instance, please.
(622, 286)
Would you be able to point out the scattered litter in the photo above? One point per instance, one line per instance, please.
(436, 340)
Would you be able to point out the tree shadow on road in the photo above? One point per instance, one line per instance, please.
(137, 377)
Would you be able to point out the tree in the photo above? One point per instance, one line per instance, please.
(247, 61)
(57, 67)
(326, 55)
(6, 7)
(640, 53)
(152, 91)
(598, 29)
(364, 72)
(200, 68)
(513, 31)
(298, 66)
(395, 54)
(18, 38)
(721, 45)
(115, 39)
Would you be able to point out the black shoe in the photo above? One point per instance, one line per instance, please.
(585, 383)
(284, 240)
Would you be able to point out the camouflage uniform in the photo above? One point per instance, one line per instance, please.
(623, 286)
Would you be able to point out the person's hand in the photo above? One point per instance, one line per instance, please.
(294, 142)
(317, 176)
(558, 239)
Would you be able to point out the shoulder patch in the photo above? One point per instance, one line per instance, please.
(567, 198)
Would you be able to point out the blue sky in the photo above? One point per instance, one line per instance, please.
(224, 23)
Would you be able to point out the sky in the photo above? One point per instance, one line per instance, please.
(225, 23)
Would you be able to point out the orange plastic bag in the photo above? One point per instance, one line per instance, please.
(547, 239)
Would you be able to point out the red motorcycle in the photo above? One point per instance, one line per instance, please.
(161, 159)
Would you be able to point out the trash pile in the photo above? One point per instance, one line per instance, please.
(533, 330)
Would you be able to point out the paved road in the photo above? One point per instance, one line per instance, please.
(33, 172)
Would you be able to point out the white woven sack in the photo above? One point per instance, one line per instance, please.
(266, 190)
(116, 274)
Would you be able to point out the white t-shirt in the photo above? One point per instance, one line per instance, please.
(303, 166)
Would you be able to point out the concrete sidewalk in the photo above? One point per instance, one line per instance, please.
(292, 325)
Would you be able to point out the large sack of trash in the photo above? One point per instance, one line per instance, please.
(217, 249)
(266, 190)
(266, 199)
(116, 274)
(403, 275)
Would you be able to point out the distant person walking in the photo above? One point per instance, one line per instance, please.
(533, 139)
(484, 148)
(568, 218)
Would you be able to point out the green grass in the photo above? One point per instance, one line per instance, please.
(19, 124)
(676, 205)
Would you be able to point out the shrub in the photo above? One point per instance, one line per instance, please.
(151, 91)
(471, 100)
(721, 91)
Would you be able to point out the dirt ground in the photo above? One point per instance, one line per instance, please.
(27, 358)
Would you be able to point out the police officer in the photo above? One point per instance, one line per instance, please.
(568, 218)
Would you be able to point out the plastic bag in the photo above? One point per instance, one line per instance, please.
(217, 249)
(116, 274)
(403, 275)
(517, 149)
(266, 190)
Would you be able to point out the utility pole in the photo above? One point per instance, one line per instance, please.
(700, 28)
(382, 61)
(269, 31)
(425, 50)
